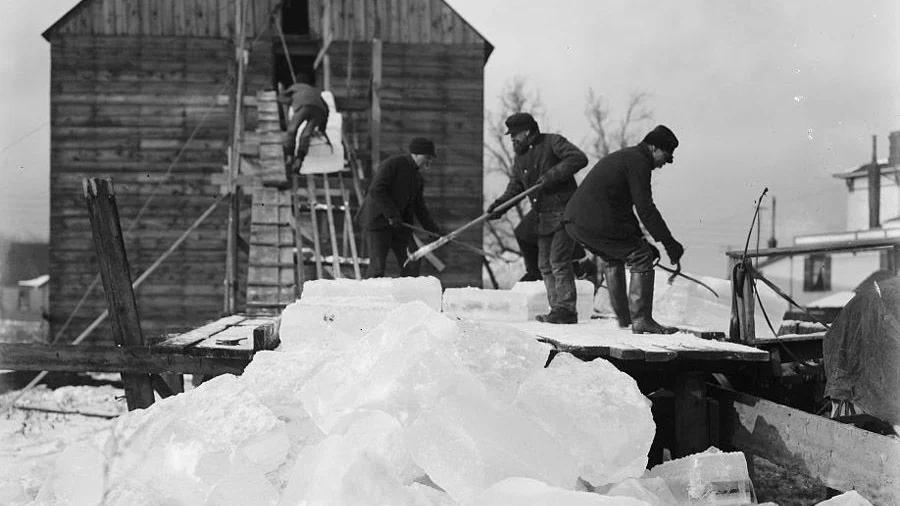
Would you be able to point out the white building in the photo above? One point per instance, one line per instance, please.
(823, 269)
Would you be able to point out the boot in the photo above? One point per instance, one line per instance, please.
(618, 296)
(558, 315)
(640, 300)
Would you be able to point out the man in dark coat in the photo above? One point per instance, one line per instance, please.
(600, 217)
(527, 239)
(396, 197)
(308, 105)
(550, 161)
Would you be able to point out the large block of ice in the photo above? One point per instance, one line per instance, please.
(607, 426)
(275, 378)
(426, 289)
(536, 296)
(687, 304)
(331, 324)
(390, 369)
(709, 477)
(478, 304)
(77, 478)
(653, 491)
(851, 498)
(467, 440)
(528, 492)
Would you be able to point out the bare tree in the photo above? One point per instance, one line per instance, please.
(516, 97)
(606, 137)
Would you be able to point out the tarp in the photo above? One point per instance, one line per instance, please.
(862, 351)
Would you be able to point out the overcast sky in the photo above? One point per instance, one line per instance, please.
(765, 93)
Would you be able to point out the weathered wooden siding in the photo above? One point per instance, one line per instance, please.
(123, 108)
(435, 91)
(178, 18)
(401, 21)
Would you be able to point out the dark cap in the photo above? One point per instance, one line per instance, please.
(520, 122)
(421, 146)
(662, 138)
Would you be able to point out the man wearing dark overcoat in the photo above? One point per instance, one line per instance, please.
(601, 216)
(551, 161)
(396, 197)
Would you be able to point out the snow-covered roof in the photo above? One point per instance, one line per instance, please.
(35, 282)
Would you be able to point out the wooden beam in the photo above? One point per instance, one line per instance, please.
(842, 456)
(375, 118)
(323, 53)
(142, 360)
(231, 267)
(691, 414)
(116, 276)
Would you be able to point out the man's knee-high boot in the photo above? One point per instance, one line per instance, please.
(618, 295)
(640, 299)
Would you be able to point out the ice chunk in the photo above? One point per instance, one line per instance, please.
(653, 491)
(389, 369)
(234, 480)
(499, 355)
(430, 495)
(687, 304)
(330, 324)
(276, 378)
(710, 477)
(529, 492)
(536, 296)
(478, 304)
(77, 479)
(607, 426)
(467, 440)
(426, 289)
(584, 304)
(851, 498)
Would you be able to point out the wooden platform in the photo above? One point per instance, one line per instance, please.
(224, 346)
(603, 339)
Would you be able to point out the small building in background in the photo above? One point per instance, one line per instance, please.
(823, 270)
(23, 263)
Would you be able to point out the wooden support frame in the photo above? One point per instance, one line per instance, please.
(116, 276)
(842, 456)
(692, 427)
(375, 112)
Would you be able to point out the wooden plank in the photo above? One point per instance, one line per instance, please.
(116, 276)
(841, 456)
(265, 335)
(141, 360)
(425, 21)
(201, 333)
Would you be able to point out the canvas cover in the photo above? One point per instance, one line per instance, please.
(862, 351)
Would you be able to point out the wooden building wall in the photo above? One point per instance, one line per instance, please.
(131, 79)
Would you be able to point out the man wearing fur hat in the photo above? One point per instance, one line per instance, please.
(396, 197)
(550, 161)
(601, 216)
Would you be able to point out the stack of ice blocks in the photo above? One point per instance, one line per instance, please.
(490, 305)
(536, 295)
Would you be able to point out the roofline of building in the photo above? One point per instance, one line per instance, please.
(862, 171)
(827, 243)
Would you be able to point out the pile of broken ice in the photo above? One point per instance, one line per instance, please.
(377, 398)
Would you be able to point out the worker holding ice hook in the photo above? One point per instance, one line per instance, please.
(601, 216)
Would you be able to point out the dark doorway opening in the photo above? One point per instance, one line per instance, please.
(295, 17)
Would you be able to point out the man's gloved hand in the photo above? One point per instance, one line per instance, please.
(395, 222)
(494, 215)
(655, 251)
(674, 249)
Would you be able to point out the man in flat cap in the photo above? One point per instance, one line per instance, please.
(396, 197)
(550, 161)
(600, 217)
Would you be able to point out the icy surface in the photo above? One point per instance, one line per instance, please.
(607, 426)
(710, 477)
(426, 289)
(77, 478)
(528, 492)
(330, 324)
(478, 304)
(536, 296)
(851, 498)
(653, 491)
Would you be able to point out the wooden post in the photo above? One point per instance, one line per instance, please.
(116, 276)
(231, 269)
(748, 318)
(375, 119)
(691, 414)
(327, 38)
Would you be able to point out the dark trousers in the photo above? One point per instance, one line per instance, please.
(385, 240)
(555, 263)
(315, 117)
(636, 253)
